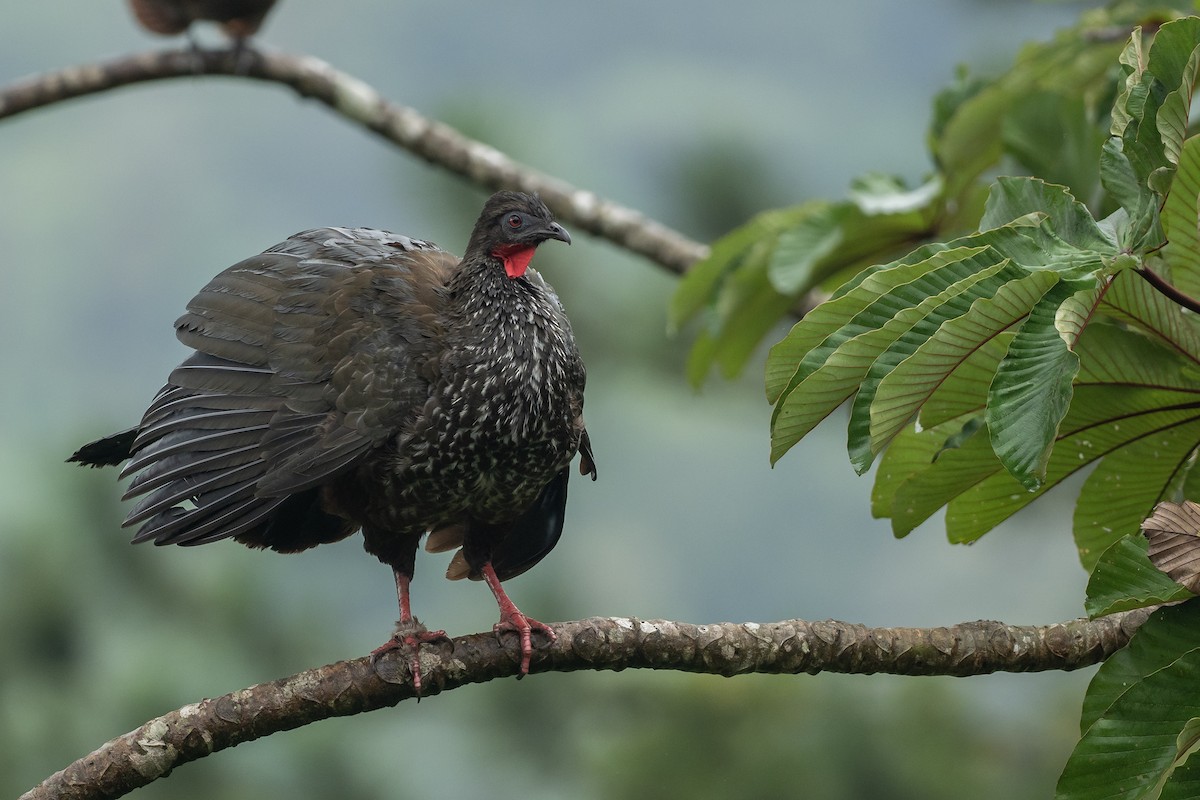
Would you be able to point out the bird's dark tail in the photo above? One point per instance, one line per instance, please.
(518, 544)
(535, 532)
(106, 452)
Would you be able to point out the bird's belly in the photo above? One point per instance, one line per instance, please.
(484, 464)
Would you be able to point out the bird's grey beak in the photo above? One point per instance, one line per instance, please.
(556, 231)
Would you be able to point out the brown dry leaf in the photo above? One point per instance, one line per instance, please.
(1173, 531)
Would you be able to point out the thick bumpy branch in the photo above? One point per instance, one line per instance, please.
(434, 141)
(792, 646)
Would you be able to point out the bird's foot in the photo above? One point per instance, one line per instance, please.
(513, 621)
(409, 636)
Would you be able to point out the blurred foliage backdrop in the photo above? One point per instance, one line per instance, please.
(116, 209)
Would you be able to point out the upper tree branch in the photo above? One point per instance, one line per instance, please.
(356, 101)
(791, 646)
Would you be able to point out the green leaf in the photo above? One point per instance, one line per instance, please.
(917, 332)
(1184, 783)
(1129, 388)
(748, 307)
(1181, 219)
(1174, 58)
(1159, 641)
(1138, 715)
(914, 380)
(1149, 122)
(1118, 356)
(880, 216)
(1133, 61)
(1101, 420)
(1051, 134)
(1075, 313)
(927, 482)
(1138, 227)
(832, 315)
(831, 372)
(1125, 487)
(800, 249)
(964, 392)
(1013, 198)
(1123, 578)
(1131, 299)
(1032, 392)
(698, 287)
(1135, 746)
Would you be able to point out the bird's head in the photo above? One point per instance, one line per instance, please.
(510, 228)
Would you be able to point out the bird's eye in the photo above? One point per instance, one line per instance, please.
(515, 221)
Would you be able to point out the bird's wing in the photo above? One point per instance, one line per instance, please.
(307, 357)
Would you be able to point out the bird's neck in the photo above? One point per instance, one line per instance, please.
(485, 303)
(482, 285)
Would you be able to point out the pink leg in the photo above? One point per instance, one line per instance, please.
(410, 633)
(511, 619)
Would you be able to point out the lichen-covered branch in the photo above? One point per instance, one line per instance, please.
(791, 646)
(353, 99)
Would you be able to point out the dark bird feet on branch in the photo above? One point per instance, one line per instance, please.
(409, 637)
(513, 621)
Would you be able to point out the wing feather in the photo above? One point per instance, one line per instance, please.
(307, 358)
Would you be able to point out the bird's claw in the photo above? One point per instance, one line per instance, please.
(524, 627)
(410, 636)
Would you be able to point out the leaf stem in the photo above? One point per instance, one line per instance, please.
(1169, 291)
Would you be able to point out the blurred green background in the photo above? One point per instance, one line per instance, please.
(114, 210)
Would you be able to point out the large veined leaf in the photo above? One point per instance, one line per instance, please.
(860, 446)
(1181, 219)
(950, 420)
(832, 370)
(1130, 389)
(1013, 198)
(747, 309)
(1141, 738)
(1123, 578)
(1149, 122)
(757, 272)
(1055, 136)
(964, 391)
(1131, 299)
(748, 244)
(1160, 640)
(1113, 356)
(848, 368)
(913, 381)
(1032, 391)
(832, 315)
(1125, 487)
(996, 498)
(1140, 718)
(932, 482)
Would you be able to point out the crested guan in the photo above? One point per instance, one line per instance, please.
(349, 379)
(240, 19)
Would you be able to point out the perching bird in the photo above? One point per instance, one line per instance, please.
(353, 379)
(240, 19)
